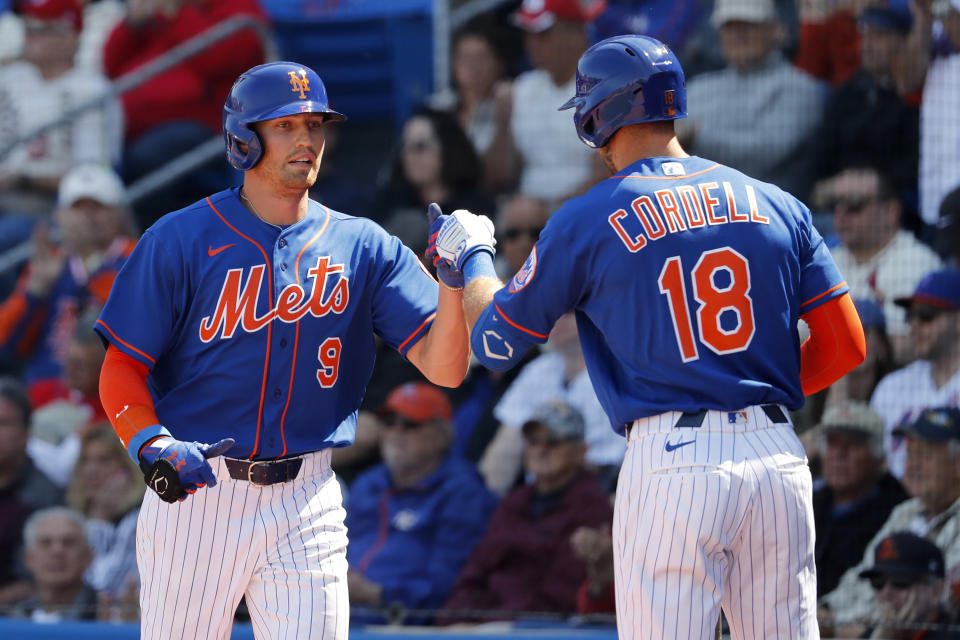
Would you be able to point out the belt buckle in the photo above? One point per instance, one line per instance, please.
(250, 474)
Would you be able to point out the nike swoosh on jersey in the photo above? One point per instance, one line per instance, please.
(671, 447)
(212, 252)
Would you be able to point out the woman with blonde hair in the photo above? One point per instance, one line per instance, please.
(106, 488)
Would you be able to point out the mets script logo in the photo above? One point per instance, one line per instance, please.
(299, 83)
(237, 304)
(526, 273)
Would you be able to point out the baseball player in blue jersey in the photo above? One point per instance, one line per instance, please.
(247, 320)
(688, 279)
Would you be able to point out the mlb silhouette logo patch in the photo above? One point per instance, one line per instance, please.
(737, 417)
(673, 169)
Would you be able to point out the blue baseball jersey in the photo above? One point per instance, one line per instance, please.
(261, 334)
(687, 278)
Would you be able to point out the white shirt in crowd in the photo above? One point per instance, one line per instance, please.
(541, 381)
(901, 396)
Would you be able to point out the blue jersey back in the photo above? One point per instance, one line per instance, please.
(687, 278)
(262, 335)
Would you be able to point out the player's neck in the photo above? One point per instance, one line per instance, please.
(636, 145)
(274, 208)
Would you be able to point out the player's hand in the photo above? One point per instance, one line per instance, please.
(462, 235)
(176, 469)
(445, 271)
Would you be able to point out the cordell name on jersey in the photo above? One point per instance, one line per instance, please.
(683, 207)
(237, 307)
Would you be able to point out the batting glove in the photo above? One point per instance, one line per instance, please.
(175, 469)
(462, 235)
(447, 274)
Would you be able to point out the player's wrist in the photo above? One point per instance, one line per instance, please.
(479, 264)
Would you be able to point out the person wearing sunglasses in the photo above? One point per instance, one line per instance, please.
(907, 578)
(521, 220)
(933, 379)
(413, 519)
(879, 258)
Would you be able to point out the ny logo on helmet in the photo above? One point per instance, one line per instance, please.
(299, 83)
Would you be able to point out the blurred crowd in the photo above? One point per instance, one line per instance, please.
(492, 501)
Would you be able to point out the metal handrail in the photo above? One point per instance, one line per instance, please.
(185, 163)
(175, 56)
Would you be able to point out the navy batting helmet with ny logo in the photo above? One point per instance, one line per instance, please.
(268, 91)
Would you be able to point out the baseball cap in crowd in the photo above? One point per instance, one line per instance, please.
(540, 15)
(562, 421)
(92, 181)
(417, 402)
(892, 17)
(940, 289)
(948, 225)
(934, 425)
(852, 418)
(67, 12)
(744, 10)
(871, 314)
(906, 556)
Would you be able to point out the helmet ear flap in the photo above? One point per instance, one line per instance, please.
(238, 134)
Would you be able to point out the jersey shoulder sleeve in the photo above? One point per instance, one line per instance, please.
(820, 279)
(404, 293)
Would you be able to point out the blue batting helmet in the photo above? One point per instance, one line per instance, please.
(265, 92)
(626, 80)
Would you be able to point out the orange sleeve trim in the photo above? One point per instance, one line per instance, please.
(836, 344)
(124, 394)
(516, 326)
(825, 293)
(419, 329)
(11, 312)
(124, 343)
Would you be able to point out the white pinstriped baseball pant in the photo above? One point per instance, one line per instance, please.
(725, 519)
(283, 546)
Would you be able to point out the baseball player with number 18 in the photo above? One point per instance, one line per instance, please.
(688, 279)
(247, 320)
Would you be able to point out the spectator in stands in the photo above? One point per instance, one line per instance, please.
(434, 162)
(758, 114)
(23, 488)
(71, 270)
(40, 89)
(934, 378)
(932, 478)
(478, 62)
(931, 62)
(532, 140)
(948, 229)
(594, 547)
(107, 491)
(525, 561)
(908, 579)
(521, 220)
(414, 519)
(559, 374)
(57, 554)
(672, 22)
(859, 384)
(858, 492)
(177, 110)
(65, 409)
(866, 121)
(879, 259)
(829, 46)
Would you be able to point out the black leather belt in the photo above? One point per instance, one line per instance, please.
(264, 472)
(693, 419)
